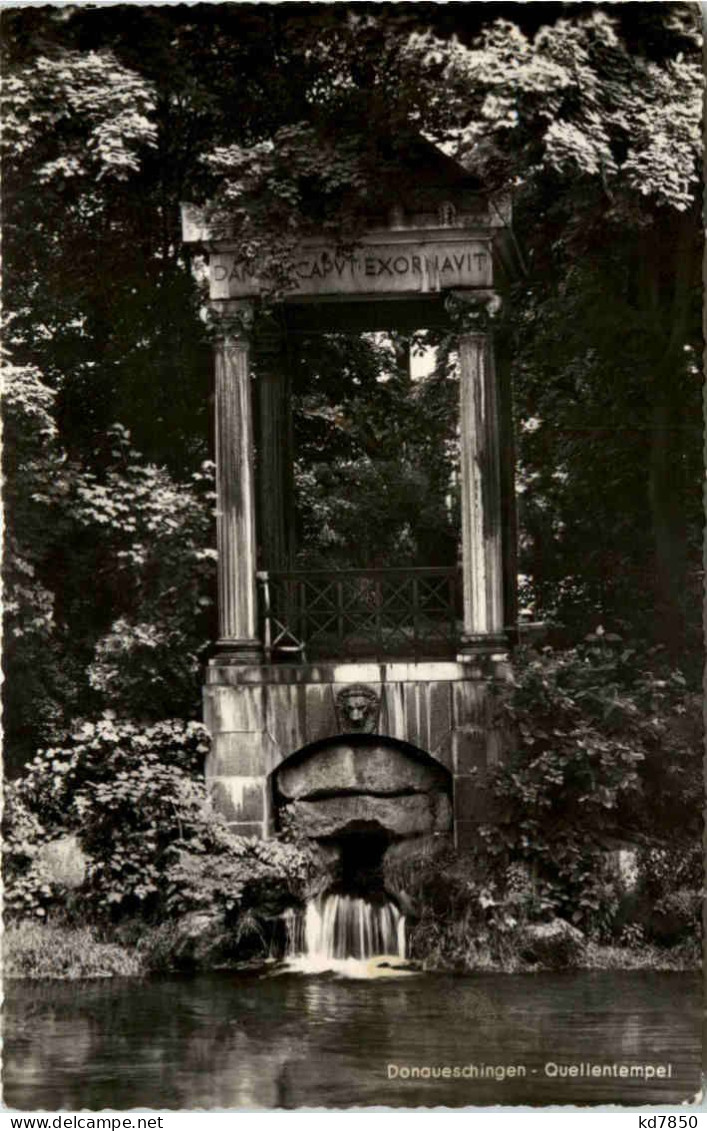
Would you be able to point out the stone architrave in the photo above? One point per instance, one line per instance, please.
(389, 263)
(482, 529)
(235, 488)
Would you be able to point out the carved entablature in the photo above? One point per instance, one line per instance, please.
(357, 709)
(387, 262)
(413, 256)
(433, 226)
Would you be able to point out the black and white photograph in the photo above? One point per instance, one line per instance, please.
(353, 458)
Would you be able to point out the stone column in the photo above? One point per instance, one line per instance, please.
(275, 495)
(235, 489)
(502, 363)
(482, 526)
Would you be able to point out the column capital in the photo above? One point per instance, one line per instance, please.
(232, 321)
(472, 312)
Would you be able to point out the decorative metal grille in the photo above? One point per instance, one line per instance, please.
(361, 614)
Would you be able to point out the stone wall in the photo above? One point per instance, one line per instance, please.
(260, 715)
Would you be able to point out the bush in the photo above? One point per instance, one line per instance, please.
(237, 876)
(28, 890)
(472, 908)
(129, 792)
(670, 892)
(606, 747)
(135, 798)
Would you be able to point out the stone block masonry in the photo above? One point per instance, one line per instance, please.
(261, 715)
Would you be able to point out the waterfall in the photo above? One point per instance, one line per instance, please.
(337, 931)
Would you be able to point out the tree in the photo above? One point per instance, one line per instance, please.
(108, 578)
(102, 299)
(599, 130)
(36, 481)
(292, 118)
(375, 455)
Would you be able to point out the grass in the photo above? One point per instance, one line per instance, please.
(451, 945)
(47, 951)
(647, 956)
(51, 951)
(507, 960)
(43, 951)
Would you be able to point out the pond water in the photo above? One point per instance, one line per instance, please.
(282, 1039)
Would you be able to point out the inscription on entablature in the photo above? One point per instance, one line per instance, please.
(418, 268)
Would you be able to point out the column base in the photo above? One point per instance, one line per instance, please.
(239, 651)
(482, 644)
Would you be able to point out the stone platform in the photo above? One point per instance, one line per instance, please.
(264, 717)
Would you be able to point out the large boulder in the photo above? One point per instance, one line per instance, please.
(555, 944)
(198, 940)
(64, 861)
(348, 768)
(411, 815)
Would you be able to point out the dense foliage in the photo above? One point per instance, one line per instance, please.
(135, 799)
(109, 576)
(293, 118)
(597, 819)
(376, 454)
(288, 119)
(608, 754)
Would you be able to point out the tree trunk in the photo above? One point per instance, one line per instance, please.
(669, 526)
(666, 461)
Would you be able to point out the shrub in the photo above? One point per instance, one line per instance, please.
(605, 747)
(236, 876)
(129, 792)
(472, 908)
(670, 891)
(28, 890)
(135, 797)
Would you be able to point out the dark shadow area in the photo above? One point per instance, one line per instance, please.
(360, 855)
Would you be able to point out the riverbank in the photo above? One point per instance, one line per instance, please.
(59, 952)
(66, 953)
(684, 958)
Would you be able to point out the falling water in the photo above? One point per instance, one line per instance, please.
(345, 932)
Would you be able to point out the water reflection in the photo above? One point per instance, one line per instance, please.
(233, 1041)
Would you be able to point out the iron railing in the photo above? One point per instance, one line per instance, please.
(360, 613)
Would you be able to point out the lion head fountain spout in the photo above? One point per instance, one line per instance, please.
(358, 708)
